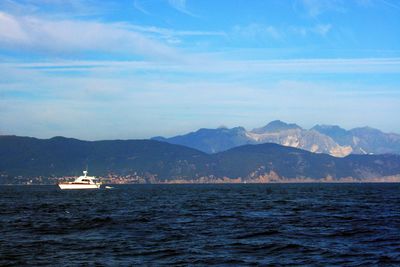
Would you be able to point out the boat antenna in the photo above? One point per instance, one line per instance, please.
(86, 171)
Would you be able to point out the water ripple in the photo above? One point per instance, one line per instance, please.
(287, 224)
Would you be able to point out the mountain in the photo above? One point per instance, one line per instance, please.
(374, 141)
(329, 139)
(294, 136)
(338, 134)
(363, 140)
(287, 134)
(276, 126)
(292, 162)
(22, 158)
(211, 140)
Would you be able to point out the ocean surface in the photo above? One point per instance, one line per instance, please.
(247, 224)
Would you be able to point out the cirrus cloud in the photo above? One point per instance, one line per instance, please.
(70, 35)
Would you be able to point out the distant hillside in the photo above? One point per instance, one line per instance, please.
(61, 156)
(364, 140)
(327, 139)
(211, 140)
(294, 163)
(159, 161)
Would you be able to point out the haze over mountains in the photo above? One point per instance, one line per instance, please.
(329, 139)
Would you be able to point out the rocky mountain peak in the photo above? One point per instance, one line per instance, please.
(365, 131)
(330, 139)
(276, 126)
(333, 131)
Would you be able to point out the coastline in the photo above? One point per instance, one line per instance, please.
(260, 180)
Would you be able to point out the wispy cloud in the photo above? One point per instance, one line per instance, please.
(258, 32)
(180, 5)
(138, 5)
(57, 8)
(322, 29)
(314, 8)
(171, 36)
(391, 5)
(255, 30)
(43, 35)
(69, 36)
(171, 32)
(210, 65)
(319, 29)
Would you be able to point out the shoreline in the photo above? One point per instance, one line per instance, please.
(227, 183)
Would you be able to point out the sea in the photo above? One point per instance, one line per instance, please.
(200, 225)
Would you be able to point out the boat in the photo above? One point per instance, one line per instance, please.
(82, 182)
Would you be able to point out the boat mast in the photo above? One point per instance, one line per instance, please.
(85, 171)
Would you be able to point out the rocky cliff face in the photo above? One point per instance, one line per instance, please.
(300, 138)
(319, 139)
(363, 140)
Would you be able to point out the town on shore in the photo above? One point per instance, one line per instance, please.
(152, 179)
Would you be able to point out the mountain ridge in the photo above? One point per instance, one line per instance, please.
(160, 162)
(330, 139)
(276, 125)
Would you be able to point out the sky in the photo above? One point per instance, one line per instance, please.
(131, 69)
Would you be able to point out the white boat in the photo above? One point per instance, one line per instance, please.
(82, 182)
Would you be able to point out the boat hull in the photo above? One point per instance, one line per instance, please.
(79, 186)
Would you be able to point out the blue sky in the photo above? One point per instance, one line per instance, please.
(139, 68)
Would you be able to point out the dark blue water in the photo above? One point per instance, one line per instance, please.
(281, 224)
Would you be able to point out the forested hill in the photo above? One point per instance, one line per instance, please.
(160, 161)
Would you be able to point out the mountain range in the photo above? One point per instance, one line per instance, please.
(329, 139)
(155, 161)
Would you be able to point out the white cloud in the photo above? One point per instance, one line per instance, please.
(44, 35)
(56, 8)
(391, 5)
(319, 29)
(68, 36)
(210, 65)
(138, 5)
(314, 8)
(180, 5)
(170, 32)
(255, 31)
(259, 32)
(11, 31)
(322, 29)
